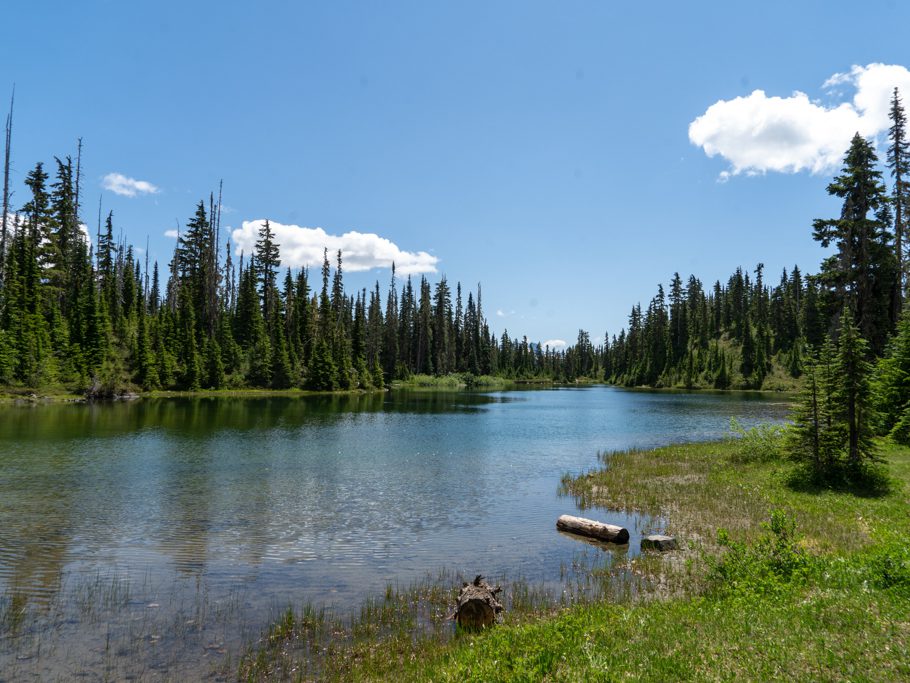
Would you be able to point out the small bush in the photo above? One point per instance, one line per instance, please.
(901, 431)
(761, 443)
(889, 567)
(767, 566)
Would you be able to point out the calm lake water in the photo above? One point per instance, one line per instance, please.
(261, 503)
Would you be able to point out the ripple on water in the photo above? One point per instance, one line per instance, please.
(187, 501)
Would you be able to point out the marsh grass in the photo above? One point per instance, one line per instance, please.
(405, 624)
(700, 488)
(109, 627)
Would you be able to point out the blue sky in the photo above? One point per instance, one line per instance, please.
(541, 149)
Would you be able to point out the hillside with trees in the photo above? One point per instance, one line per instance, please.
(90, 316)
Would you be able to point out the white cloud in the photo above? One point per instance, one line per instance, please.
(359, 251)
(503, 314)
(13, 218)
(127, 187)
(555, 344)
(173, 234)
(758, 133)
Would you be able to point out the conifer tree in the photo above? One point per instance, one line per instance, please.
(191, 375)
(260, 361)
(891, 380)
(66, 235)
(859, 414)
(107, 255)
(268, 259)
(747, 363)
(861, 275)
(214, 365)
(443, 347)
(391, 345)
(898, 160)
(810, 439)
(322, 375)
(147, 370)
(281, 374)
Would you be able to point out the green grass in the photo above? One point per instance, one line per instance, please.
(15, 395)
(820, 593)
(802, 635)
(453, 381)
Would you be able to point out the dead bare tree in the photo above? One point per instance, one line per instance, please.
(6, 195)
(78, 180)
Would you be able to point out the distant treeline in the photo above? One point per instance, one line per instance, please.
(730, 336)
(741, 333)
(98, 318)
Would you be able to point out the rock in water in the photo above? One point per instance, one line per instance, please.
(658, 542)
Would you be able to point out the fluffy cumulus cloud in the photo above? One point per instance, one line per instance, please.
(758, 133)
(126, 186)
(359, 251)
(555, 344)
(172, 233)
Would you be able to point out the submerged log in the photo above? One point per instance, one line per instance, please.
(593, 529)
(477, 604)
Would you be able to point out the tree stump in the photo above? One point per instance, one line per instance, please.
(477, 605)
(593, 529)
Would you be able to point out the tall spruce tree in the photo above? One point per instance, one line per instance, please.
(268, 258)
(862, 274)
(858, 411)
(891, 382)
(819, 432)
(898, 160)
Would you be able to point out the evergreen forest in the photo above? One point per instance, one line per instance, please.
(89, 315)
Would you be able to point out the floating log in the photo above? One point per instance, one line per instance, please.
(593, 529)
(477, 604)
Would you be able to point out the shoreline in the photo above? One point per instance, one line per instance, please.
(717, 504)
(28, 396)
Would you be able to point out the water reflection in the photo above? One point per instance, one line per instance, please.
(198, 416)
(300, 497)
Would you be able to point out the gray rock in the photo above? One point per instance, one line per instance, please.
(658, 542)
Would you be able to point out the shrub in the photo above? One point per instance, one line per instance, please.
(761, 443)
(767, 566)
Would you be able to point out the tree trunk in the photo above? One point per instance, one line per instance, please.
(4, 226)
(592, 529)
(477, 604)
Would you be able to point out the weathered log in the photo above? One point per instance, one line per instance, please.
(593, 529)
(477, 604)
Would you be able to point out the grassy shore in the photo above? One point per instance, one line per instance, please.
(775, 580)
(18, 396)
(455, 381)
(11, 395)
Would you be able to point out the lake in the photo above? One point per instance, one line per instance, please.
(165, 511)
